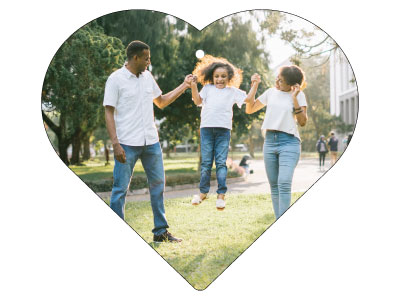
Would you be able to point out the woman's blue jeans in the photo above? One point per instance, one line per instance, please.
(214, 145)
(281, 155)
(152, 161)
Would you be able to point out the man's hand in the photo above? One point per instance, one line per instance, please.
(119, 153)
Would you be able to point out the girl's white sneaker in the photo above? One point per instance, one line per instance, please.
(196, 200)
(220, 204)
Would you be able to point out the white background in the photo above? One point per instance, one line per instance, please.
(60, 241)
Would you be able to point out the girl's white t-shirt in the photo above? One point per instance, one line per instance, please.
(217, 105)
(279, 114)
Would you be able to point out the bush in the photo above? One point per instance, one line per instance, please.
(140, 181)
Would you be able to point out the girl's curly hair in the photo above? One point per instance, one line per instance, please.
(205, 68)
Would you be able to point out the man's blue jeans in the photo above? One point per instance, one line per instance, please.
(214, 145)
(152, 161)
(281, 155)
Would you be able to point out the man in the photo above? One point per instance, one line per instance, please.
(333, 148)
(128, 99)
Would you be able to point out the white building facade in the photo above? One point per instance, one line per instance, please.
(343, 88)
(343, 92)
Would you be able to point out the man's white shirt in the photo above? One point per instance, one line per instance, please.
(132, 97)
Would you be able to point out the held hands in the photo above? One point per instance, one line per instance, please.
(255, 79)
(188, 81)
(194, 82)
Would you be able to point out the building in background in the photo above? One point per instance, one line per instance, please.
(343, 92)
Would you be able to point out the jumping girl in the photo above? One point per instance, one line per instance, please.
(221, 81)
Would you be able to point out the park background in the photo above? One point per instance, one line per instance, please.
(73, 88)
(73, 115)
(349, 182)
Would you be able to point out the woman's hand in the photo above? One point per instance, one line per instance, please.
(295, 89)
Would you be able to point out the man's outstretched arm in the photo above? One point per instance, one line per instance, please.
(165, 100)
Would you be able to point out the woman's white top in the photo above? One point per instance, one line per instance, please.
(279, 114)
(217, 105)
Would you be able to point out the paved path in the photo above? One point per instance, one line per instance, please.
(306, 174)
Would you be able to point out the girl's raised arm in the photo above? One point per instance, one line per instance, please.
(195, 92)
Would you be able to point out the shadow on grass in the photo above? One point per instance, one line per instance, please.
(208, 264)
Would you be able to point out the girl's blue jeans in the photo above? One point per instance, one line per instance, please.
(214, 145)
(281, 155)
(152, 161)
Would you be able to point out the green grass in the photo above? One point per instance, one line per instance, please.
(96, 170)
(179, 163)
(212, 239)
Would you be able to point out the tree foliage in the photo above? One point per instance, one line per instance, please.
(74, 85)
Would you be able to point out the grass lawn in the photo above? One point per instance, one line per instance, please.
(212, 239)
(179, 163)
(95, 169)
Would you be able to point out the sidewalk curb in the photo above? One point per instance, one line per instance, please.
(171, 188)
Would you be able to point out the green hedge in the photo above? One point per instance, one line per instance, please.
(140, 181)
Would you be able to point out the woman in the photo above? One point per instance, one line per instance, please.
(286, 104)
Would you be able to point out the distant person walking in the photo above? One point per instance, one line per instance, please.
(322, 149)
(333, 148)
(128, 100)
(286, 105)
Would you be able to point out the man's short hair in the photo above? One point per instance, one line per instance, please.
(136, 48)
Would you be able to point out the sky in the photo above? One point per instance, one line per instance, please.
(278, 49)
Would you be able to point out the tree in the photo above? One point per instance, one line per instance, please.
(74, 85)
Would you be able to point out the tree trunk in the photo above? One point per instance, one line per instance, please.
(76, 147)
(63, 140)
(106, 153)
(62, 149)
(86, 147)
(168, 151)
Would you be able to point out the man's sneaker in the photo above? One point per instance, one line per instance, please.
(220, 204)
(166, 237)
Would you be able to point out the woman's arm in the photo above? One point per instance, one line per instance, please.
(300, 112)
(253, 105)
(195, 92)
(255, 81)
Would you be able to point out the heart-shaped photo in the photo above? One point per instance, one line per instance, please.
(199, 139)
